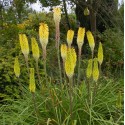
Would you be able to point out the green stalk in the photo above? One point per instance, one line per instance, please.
(44, 58)
(70, 96)
(58, 52)
(88, 87)
(35, 107)
(38, 75)
(26, 60)
(79, 63)
(20, 86)
(64, 71)
(100, 71)
(90, 108)
(92, 54)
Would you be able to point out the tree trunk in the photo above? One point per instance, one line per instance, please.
(67, 19)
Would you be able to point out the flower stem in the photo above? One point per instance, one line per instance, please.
(58, 53)
(44, 58)
(35, 107)
(70, 95)
(26, 59)
(64, 71)
(79, 63)
(38, 75)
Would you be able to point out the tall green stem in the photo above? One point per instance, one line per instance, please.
(92, 54)
(64, 71)
(38, 75)
(58, 52)
(20, 86)
(88, 87)
(35, 107)
(26, 59)
(79, 63)
(100, 71)
(70, 96)
(44, 57)
(90, 108)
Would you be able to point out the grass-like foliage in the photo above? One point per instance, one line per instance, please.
(53, 106)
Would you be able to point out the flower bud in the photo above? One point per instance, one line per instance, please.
(57, 14)
(100, 53)
(89, 69)
(90, 40)
(95, 70)
(35, 48)
(80, 37)
(32, 85)
(70, 62)
(43, 34)
(70, 35)
(63, 51)
(17, 67)
(24, 44)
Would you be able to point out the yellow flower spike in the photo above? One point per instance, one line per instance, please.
(100, 53)
(95, 70)
(89, 69)
(90, 40)
(35, 48)
(32, 85)
(17, 67)
(70, 35)
(63, 51)
(74, 57)
(80, 37)
(24, 44)
(86, 11)
(57, 14)
(70, 62)
(43, 34)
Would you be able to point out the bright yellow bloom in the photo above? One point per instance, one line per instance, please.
(17, 67)
(95, 70)
(32, 85)
(24, 44)
(89, 69)
(90, 40)
(43, 34)
(70, 62)
(80, 37)
(35, 48)
(63, 51)
(100, 53)
(57, 14)
(70, 35)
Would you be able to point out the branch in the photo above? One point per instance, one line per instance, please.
(67, 18)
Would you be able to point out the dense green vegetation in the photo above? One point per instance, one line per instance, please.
(52, 104)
